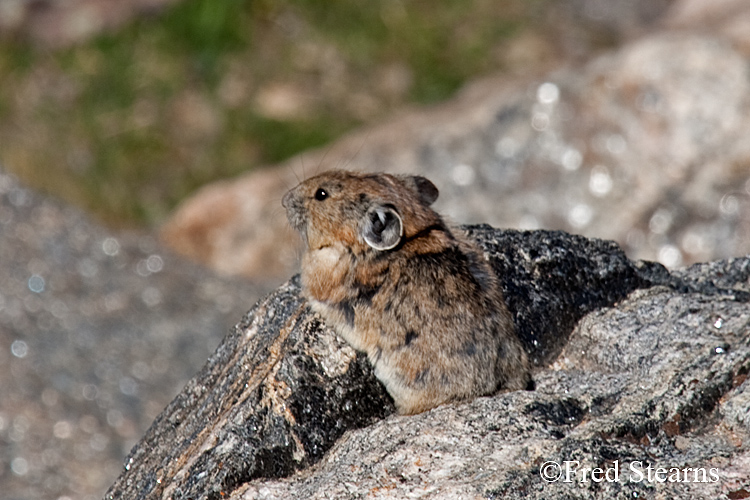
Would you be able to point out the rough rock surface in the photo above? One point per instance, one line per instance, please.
(658, 380)
(284, 409)
(98, 332)
(645, 145)
(729, 18)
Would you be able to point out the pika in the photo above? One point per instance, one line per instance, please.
(389, 275)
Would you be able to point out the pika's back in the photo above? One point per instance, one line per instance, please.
(391, 277)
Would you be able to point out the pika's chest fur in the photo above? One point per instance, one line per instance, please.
(343, 290)
(402, 302)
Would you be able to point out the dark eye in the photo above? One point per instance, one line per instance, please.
(321, 194)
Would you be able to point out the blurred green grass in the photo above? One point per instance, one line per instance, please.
(128, 124)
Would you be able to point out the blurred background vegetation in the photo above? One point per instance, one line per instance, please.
(128, 123)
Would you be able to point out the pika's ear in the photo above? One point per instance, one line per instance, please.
(422, 187)
(382, 227)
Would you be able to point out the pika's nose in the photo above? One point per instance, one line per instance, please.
(294, 211)
(286, 201)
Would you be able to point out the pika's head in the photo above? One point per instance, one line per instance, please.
(361, 211)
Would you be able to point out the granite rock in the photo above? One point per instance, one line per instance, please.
(729, 18)
(656, 381)
(98, 332)
(629, 357)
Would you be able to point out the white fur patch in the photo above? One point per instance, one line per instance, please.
(326, 257)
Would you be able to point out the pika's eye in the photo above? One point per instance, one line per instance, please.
(321, 194)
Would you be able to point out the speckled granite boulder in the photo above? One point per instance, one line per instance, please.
(284, 409)
(660, 380)
(98, 332)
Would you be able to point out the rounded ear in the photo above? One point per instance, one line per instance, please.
(422, 187)
(382, 227)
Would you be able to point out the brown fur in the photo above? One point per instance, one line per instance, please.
(428, 312)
